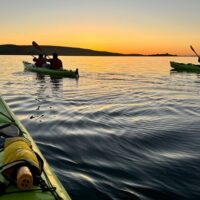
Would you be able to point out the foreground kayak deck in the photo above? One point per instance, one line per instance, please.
(55, 188)
(185, 67)
(46, 71)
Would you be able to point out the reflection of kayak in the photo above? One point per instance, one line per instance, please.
(185, 67)
(56, 73)
(47, 186)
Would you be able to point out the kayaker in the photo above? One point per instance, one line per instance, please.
(40, 61)
(55, 62)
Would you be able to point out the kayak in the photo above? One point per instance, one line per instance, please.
(46, 71)
(47, 186)
(185, 67)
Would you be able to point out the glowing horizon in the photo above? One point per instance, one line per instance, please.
(122, 26)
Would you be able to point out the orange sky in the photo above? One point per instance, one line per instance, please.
(145, 26)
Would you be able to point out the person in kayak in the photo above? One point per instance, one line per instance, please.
(55, 62)
(40, 61)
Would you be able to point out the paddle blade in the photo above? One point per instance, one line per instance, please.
(192, 48)
(35, 45)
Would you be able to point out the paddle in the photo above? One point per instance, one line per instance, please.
(195, 53)
(36, 46)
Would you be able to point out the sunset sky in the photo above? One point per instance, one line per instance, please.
(126, 26)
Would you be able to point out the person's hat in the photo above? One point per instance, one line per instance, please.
(55, 55)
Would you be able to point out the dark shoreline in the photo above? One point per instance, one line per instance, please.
(10, 49)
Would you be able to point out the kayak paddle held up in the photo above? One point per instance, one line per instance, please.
(36, 46)
(195, 53)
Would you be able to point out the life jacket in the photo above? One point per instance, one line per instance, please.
(56, 63)
(39, 62)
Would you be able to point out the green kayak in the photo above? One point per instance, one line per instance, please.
(46, 186)
(46, 71)
(185, 67)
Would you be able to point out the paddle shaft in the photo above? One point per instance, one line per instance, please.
(194, 51)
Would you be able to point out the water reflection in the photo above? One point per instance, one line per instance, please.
(40, 77)
(48, 86)
(56, 83)
(183, 76)
(173, 71)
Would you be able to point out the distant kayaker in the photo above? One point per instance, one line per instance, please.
(40, 61)
(55, 62)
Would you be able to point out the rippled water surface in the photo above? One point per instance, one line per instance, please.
(127, 129)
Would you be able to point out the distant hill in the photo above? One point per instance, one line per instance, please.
(10, 49)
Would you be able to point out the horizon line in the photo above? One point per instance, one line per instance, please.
(122, 54)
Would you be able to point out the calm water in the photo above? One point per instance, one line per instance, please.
(128, 129)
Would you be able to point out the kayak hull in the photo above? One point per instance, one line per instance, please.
(54, 73)
(12, 192)
(185, 67)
